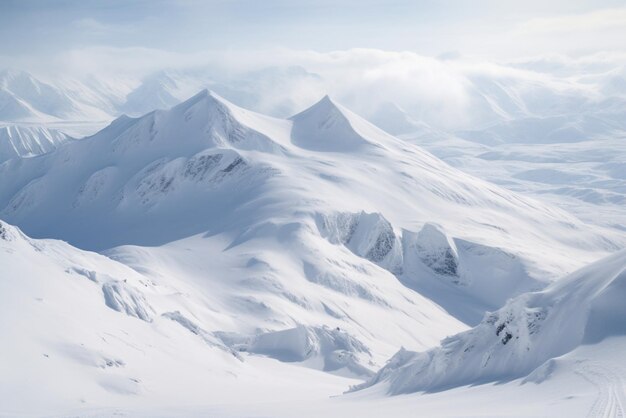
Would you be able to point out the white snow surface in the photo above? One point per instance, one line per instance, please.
(126, 336)
(28, 141)
(163, 332)
(209, 167)
(523, 337)
(285, 260)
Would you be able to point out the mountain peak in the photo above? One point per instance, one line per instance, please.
(324, 106)
(11, 78)
(326, 99)
(204, 96)
(11, 73)
(326, 126)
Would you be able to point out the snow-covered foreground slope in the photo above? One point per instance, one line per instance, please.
(525, 337)
(98, 333)
(588, 382)
(104, 339)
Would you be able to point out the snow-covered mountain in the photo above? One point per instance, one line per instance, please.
(503, 100)
(584, 173)
(24, 98)
(155, 92)
(548, 130)
(524, 338)
(208, 166)
(28, 141)
(243, 246)
(395, 120)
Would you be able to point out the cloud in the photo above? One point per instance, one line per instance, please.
(442, 92)
(592, 21)
(364, 77)
(360, 78)
(93, 28)
(578, 34)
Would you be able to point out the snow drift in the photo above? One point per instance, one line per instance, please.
(582, 308)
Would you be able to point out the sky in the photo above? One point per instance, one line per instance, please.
(419, 54)
(65, 32)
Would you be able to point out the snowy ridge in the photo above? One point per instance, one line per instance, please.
(583, 308)
(22, 141)
(207, 165)
(139, 160)
(25, 98)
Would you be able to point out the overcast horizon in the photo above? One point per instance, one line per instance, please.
(84, 37)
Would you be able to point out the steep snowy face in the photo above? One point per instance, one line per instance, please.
(79, 106)
(464, 277)
(204, 121)
(28, 92)
(154, 92)
(368, 235)
(329, 127)
(138, 169)
(12, 108)
(436, 250)
(23, 141)
(531, 329)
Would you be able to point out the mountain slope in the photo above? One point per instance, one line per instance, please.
(154, 92)
(525, 335)
(244, 246)
(25, 141)
(207, 166)
(112, 335)
(74, 106)
(97, 334)
(108, 340)
(42, 97)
